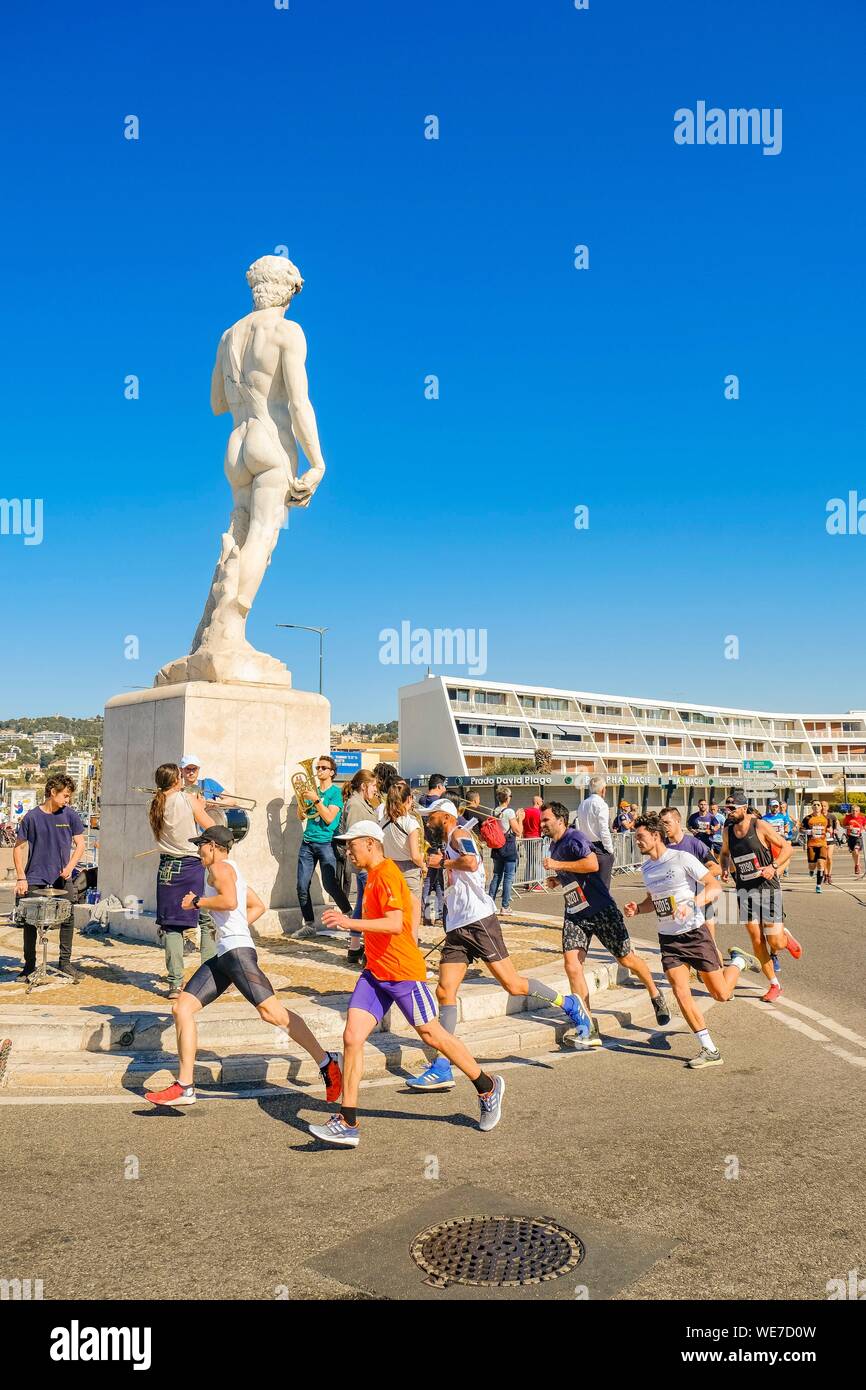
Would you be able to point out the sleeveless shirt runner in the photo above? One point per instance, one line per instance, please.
(231, 927)
(749, 856)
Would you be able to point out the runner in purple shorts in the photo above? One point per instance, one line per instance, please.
(395, 974)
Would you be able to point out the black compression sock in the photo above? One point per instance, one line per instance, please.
(483, 1084)
(350, 1114)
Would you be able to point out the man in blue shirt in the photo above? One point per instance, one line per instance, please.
(321, 821)
(49, 846)
(781, 821)
(590, 911)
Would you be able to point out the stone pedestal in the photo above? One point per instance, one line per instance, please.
(250, 738)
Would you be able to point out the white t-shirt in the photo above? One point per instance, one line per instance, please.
(466, 899)
(231, 928)
(673, 881)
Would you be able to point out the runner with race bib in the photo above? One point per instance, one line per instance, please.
(679, 887)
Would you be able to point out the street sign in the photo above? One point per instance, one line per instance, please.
(760, 766)
(348, 761)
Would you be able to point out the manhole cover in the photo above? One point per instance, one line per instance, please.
(495, 1251)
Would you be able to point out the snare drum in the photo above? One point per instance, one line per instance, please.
(42, 910)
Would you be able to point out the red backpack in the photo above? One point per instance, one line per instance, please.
(491, 832)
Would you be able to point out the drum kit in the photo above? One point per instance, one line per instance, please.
(46, 910)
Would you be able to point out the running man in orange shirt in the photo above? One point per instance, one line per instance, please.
(395, 974)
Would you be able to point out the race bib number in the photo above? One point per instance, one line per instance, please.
(817, 832)
(575, 901)
(747, 866)
(665, 907)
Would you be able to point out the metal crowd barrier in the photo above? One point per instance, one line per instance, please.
(627, 858)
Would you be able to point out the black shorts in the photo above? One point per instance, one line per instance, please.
(608, 925)
(854, 842)
(239, 967)
(694, 948)
(481, 940)
(761, 905)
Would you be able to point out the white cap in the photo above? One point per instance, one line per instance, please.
(189, 761)
(361, 830)
(442, 804)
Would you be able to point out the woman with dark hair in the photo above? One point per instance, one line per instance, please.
(175, 818)
(361, 804)
(404, 841)
(386, 775)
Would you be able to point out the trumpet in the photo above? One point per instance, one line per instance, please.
(246, 802)
(305, 787)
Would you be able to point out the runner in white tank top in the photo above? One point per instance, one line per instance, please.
(233, 907)
(231, 927)
(473, 933)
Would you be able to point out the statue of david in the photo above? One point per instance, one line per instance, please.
(260, 378)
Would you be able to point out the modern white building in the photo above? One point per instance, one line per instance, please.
(672, 750)
(78, 768)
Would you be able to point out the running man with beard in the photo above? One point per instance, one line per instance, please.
(473, 933)
(677, 838)
(589, 911)
(395, 974)
(815, 827)
(757, 851)
(679, 887)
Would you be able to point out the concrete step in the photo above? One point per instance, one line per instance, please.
(510, 1036)
(36, 1029)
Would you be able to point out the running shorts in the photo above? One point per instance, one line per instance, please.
(761, 905)
(482, 940)
(239, 967)
(608, 925)
(814, 853)
(854, 842)
(413, 998)
(694, 948)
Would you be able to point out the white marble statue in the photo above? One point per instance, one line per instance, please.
(260, 377)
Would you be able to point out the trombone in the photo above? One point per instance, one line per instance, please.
(245, 802)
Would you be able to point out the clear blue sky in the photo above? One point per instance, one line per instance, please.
(262, 127)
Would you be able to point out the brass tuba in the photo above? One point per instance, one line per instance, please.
(305, 787)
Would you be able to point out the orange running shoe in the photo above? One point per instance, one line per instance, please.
(175, 1094)
(332, 1075)
(793, 945)
(772, 994)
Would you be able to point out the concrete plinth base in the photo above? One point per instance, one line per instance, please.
(250, 738)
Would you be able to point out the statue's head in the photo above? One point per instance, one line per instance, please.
(273, 280)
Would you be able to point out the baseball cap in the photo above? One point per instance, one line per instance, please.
(442, 804)
(361, 829)
(189, 761)
(215, 835)
(774, 801)
(737, 797)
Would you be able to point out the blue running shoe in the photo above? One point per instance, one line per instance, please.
(578, 1015)
(775, 959)
(437, 1077)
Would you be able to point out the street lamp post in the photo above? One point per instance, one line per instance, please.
(321, 631)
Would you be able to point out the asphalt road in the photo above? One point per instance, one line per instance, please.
(744, 1181)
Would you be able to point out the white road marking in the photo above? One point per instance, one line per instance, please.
(790, 1022)
(828, 1023)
